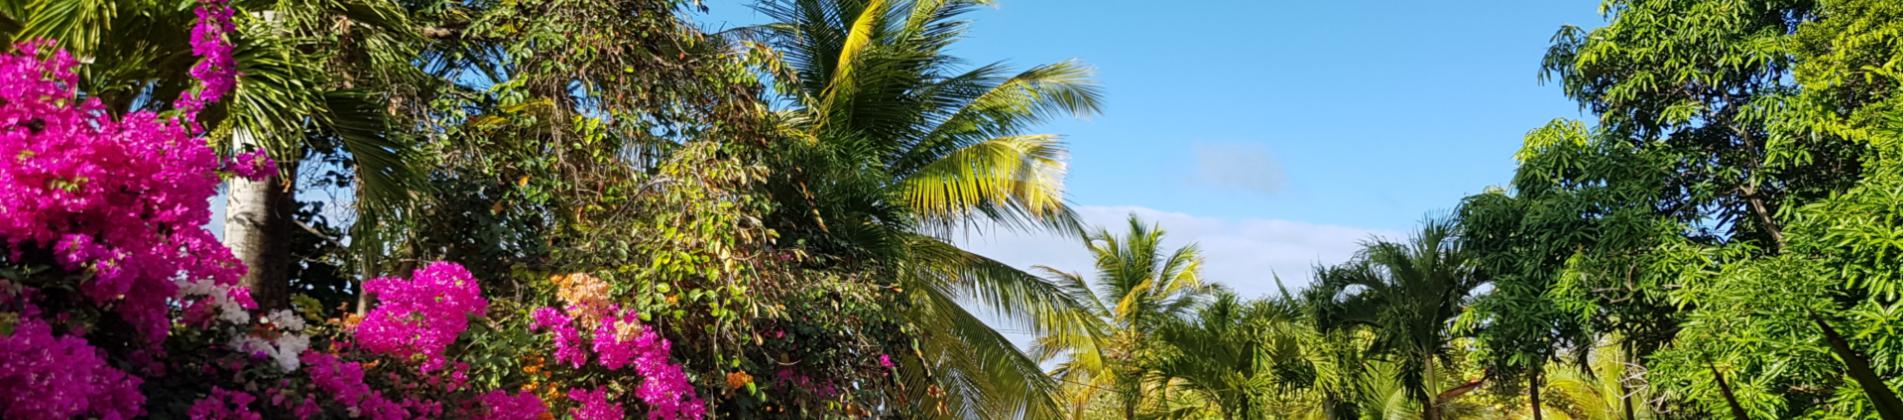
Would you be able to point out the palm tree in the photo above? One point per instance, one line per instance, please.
(306, 70)
(1380, 393)
(1598, 390)
(898, 150)
(1239, 355)
(1139, 289)
(1406, 294)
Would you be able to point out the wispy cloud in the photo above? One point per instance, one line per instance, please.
(1245, 166)
(1245, 254)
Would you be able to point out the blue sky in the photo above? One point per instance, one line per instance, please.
(1276, 135)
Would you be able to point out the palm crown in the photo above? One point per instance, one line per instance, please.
(898, 149)
(1139, 289)
(1406, 294)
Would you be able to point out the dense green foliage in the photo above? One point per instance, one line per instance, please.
(1721, 242)
(779, 202)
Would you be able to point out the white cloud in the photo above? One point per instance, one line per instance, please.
(1244, 254)
(1247, 166)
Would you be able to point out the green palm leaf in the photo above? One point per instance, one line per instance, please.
(901, 151)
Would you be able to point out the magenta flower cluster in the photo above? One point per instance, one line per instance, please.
(568, 342)
(422, 316)
(620, 341)
(499, 405)
(216, 70)
(343, 381)
(253, 165)
(224, 404)
(594, 405)
(617, 343)
(125, 200)
(664, 385)
(43, 376)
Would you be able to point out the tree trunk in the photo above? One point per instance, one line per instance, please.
(1430, 406)
(1888, 406)
(1724, 389)
(1533, 394)
(1132, 393)
(1625, 393)
(257, 230)
(1765, 217)
(1625, 399)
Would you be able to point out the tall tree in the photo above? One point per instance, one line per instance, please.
(1580, 206)
(897, 149)
(1703, 81)
(1138, 289)
(1761, 114)
(1407, 295)
(1519, 324)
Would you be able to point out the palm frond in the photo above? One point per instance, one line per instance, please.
(1010, 293)
(1016, 180)
(984, 372)
(1014, 104)
(80, 26)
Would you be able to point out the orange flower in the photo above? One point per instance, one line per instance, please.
(627, 329)
(738, 379)
(583, 291)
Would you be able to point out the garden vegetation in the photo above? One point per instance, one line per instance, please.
(597, 209)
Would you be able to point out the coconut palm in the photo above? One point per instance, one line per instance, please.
(1407, 295)
(1139, 288)
(898, 149)
(306, 72)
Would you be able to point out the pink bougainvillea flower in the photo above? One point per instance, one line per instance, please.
(124, 199)
(620, 341)
(594, 405)
(51, 377)
(224, 404)
(344, 382)
(253, 165)
(421, 316)
(522, 406)
(568, 342)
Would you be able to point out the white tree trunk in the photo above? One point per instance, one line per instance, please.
(257, 227)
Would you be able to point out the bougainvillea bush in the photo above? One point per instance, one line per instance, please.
(114, 291)
(115, 302)
(101, 219)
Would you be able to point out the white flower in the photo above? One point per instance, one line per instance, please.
(230, 311)
(284, 350)
(250, 344)
(201, 287)
(285, 320)
(289, 346)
